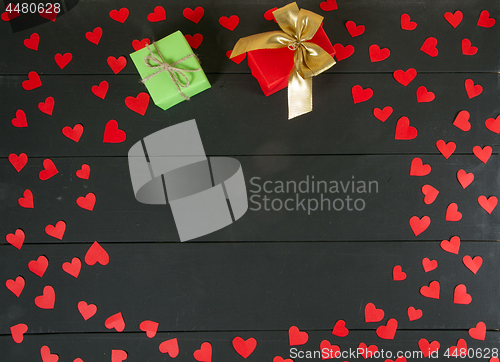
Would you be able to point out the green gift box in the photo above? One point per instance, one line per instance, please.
(176, 60)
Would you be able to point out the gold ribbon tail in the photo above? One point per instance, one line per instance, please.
(299, 95)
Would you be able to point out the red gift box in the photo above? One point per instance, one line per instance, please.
(271, 67)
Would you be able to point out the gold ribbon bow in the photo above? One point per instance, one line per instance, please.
(298, 26)
(162, 66)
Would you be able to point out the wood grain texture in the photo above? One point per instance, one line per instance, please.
(118, 217)
(381, 19)
(251, 286)
(257, 125)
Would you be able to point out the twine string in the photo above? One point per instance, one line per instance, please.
(157, 62)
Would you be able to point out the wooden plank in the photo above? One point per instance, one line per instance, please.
(97, 347)
(382, 215)
(381, 18)
(251, 286)
(234, 117)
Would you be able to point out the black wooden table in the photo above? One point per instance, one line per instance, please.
(107, 278)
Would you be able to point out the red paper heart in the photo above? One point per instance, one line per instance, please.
(47, 356)
(460, 296)
(48, 171)
(119, 15)
(296, 337)
(398, 274)
(118, 355)
(423, 96)
(382, 114)
(157, 15)
(488, 204)
(389, 330)
(454, 19)
(430, 194)
(32, 82)
(117, 65)
(238, 59)
(467, 48)
(170, 346)
(229, 23)
(478, 332)
(20, 120)
(446, 149)
(15, 286)
(483, 154)
(195, 40)
(377, 54)
(47, 299)
(87, 202)
(96, 254)
(403, 77)
(83, 172)
(367, 351)
(112, 134)
(465, 178)
(406, 23)
(139, 44)
(343, 52)
(115, 321)
(244, 348)
(452, 245)
(419, 225)
(16, 239)
(138, 104)
(452, 213)
(94, 36)
(87, 310)
(460, 350)
(56, 231)
(404, 131)
(73, 268)
(328, 5)
(429, 265)
(47, 107)
(268, 15)
(63, 60)
(361, 95)
(353, 29)
(472, 264)
(194, 15)
(52, 15)
(39, 266)
(493, 124)
(414, 314)
(329, 351)
(204, 354)
(101, 89)
(429, 47)
(18, 331)
(484, 20)
(8, 16)
(462, 121)
(431, 291)
(73, 133)
(18, 161)
(471, 89)
(372, 314)
(149, 327)
(340, 329)
(27, 200)
(418, 168)
(32, 42)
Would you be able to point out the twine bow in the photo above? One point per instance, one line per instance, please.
(157, 62)
(297, 27)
